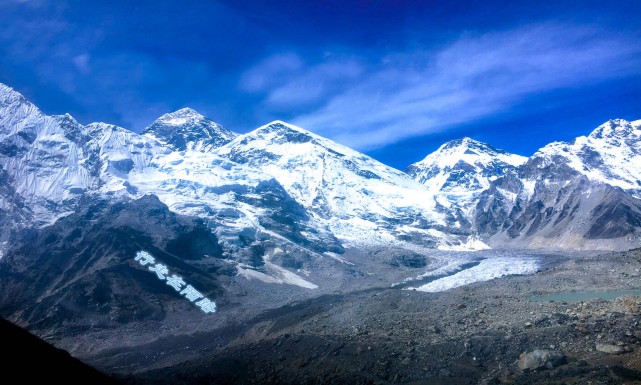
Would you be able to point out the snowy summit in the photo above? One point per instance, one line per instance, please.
(460, 169)
(186, 129)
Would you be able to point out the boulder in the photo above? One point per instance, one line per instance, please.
(540, 359)
(610, 349)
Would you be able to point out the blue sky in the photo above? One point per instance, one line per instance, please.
(394, 79)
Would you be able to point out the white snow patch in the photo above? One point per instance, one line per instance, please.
(253, 274)
(286, 276)
(472, 244)
(176, 121)
(280, 276)
(338, 258)
(528, 187)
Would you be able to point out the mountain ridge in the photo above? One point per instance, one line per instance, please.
(579, 195)
(465, 193)
(271, 216)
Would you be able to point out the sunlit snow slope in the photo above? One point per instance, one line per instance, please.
(461, 169)
(359, 199)
(279, 179)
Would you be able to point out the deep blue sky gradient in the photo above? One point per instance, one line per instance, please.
(394, 79)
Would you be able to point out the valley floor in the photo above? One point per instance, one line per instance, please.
(468, 335)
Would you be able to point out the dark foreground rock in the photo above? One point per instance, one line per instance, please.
(47, 364)
(540, 359)
(403, 337)
(381, 335)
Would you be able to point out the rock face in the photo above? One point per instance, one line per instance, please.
(81, 271)
(580, 195)
(540, 359)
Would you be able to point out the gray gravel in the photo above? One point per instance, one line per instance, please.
(469, 335)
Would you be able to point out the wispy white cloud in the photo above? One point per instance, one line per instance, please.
(82, 62)
(285, 81)
(270, 72)
(416, 93)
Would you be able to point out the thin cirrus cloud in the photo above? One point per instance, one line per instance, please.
(409, 94)
(284, 81)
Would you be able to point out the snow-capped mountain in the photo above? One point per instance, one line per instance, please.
(580, 195)
(279, 186)
(186, 129)
(51, 167)
(282, 182)
(461, 169)
(47, 160)
(255, 221)
(356, 197)
(611, 154)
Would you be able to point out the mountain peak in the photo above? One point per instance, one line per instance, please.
(462, 166)
(66, 117)
(5, 88)
(468, 150)
(186, 112)
(14, 110)
(279, 125)
(615, 128)
(279, 132)
(464, 140)
(467, 142)
(610, 154)
(186, 129)
(180, 117)
(10, 97)
(6, 91)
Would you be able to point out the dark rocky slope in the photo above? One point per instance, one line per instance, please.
(49, 364)
(470, 335)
